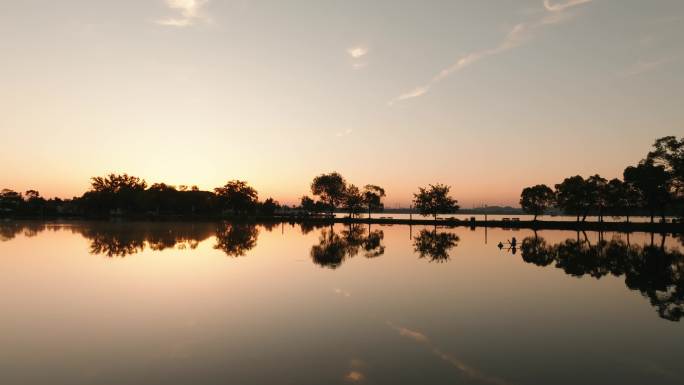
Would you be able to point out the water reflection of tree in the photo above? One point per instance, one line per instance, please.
(654, 270)
(10, 229)
(307, 227)
(333, 248)
(535, 250)
(115, 245)
(372, 245)
(236, 239)
(124, 239)
(434, 245)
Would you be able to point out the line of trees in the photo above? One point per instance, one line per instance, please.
(122, 194)
(333, 192)
(28, 203)
(654, 186)
(127, 195)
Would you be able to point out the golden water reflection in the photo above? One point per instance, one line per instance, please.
(140, 303)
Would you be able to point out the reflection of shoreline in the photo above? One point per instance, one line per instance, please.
(123, 239)
(654, 270)
(448, 221)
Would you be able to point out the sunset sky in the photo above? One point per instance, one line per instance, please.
(486, 96)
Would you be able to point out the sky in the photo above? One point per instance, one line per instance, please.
(485, 96)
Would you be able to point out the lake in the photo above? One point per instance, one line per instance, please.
(220, 303)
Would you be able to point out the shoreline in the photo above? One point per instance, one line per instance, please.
(656, 227)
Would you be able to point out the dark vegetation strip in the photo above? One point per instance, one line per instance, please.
(655, 187)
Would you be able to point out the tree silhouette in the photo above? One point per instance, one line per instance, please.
(435, 246)
(269, 207)
(330, 188)
(597, 193)
(10, 200)
(117, 183)
(307, 204)
(119, 192)
(622, 198)
(372, 198)
(669, 152)
(573, 198)
(310, 206)
(434, 200)
(653, 184)
(237, 196)
(537, 199)
(352, 200)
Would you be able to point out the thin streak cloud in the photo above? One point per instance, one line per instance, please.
(190, 12)
(641, 67)
(562, 6)
(517, 36)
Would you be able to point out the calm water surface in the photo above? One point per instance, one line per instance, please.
(207, 303)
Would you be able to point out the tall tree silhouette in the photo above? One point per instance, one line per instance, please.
(573, 198)
(622, 198)
(434, 200)
(653, 184)
(352, 200)
(330, 188)
(237, 196)
(597, 194)
(537, 199)
(372, 198)
(669, 152)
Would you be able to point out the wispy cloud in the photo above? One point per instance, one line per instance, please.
(341, 292)
(346, 132)
(641, 67)
(559, 7)
(357, 55)
(357, 52)
(189, 13)
(518, 35)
